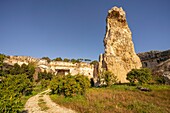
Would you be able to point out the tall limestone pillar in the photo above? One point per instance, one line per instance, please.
(119, 56)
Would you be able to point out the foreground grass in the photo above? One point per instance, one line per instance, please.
(119, 98)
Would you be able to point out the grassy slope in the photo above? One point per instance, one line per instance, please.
(119, 98)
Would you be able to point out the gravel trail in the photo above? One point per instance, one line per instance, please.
(32, 106)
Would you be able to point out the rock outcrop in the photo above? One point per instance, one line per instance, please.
(55, 67)
(153, 58)
(158, 62)
(163, 69)
(119, 56)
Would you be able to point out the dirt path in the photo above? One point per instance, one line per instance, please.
(32, 106)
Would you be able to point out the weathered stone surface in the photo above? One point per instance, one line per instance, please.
(158, 62)
(152, 58)
(163, 69)
(119, 56)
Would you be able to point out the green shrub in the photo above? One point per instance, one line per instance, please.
(158, 79)
(10, 102)
(69, 85)
(141, 76)
(23, 69)
(45, 75)
(2, 57)
(110, 78)
(17, 83)
(45, 83)
(12, 88)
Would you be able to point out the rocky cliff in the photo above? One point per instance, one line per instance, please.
(163, 69)
(153, 58)
(158, 62)
(119, 56)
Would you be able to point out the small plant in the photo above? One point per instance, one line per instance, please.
(107, 78)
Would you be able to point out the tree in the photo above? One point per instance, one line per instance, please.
(31, 71)
(74, 61)
(141, 76)
(46, 58)
(94, 62)
(80, 59)
(66, 60)
(16, 69)
(87, 60)
(2, 57)
(58, 59)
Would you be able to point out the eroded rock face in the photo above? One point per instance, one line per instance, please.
(153, 58)
(163, 69)
(119, 56)
(158, 62)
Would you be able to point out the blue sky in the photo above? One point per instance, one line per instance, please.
(76, 28)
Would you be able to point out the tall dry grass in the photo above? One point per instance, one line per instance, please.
(121, 99)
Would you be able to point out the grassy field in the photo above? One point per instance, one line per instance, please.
(119, 99)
